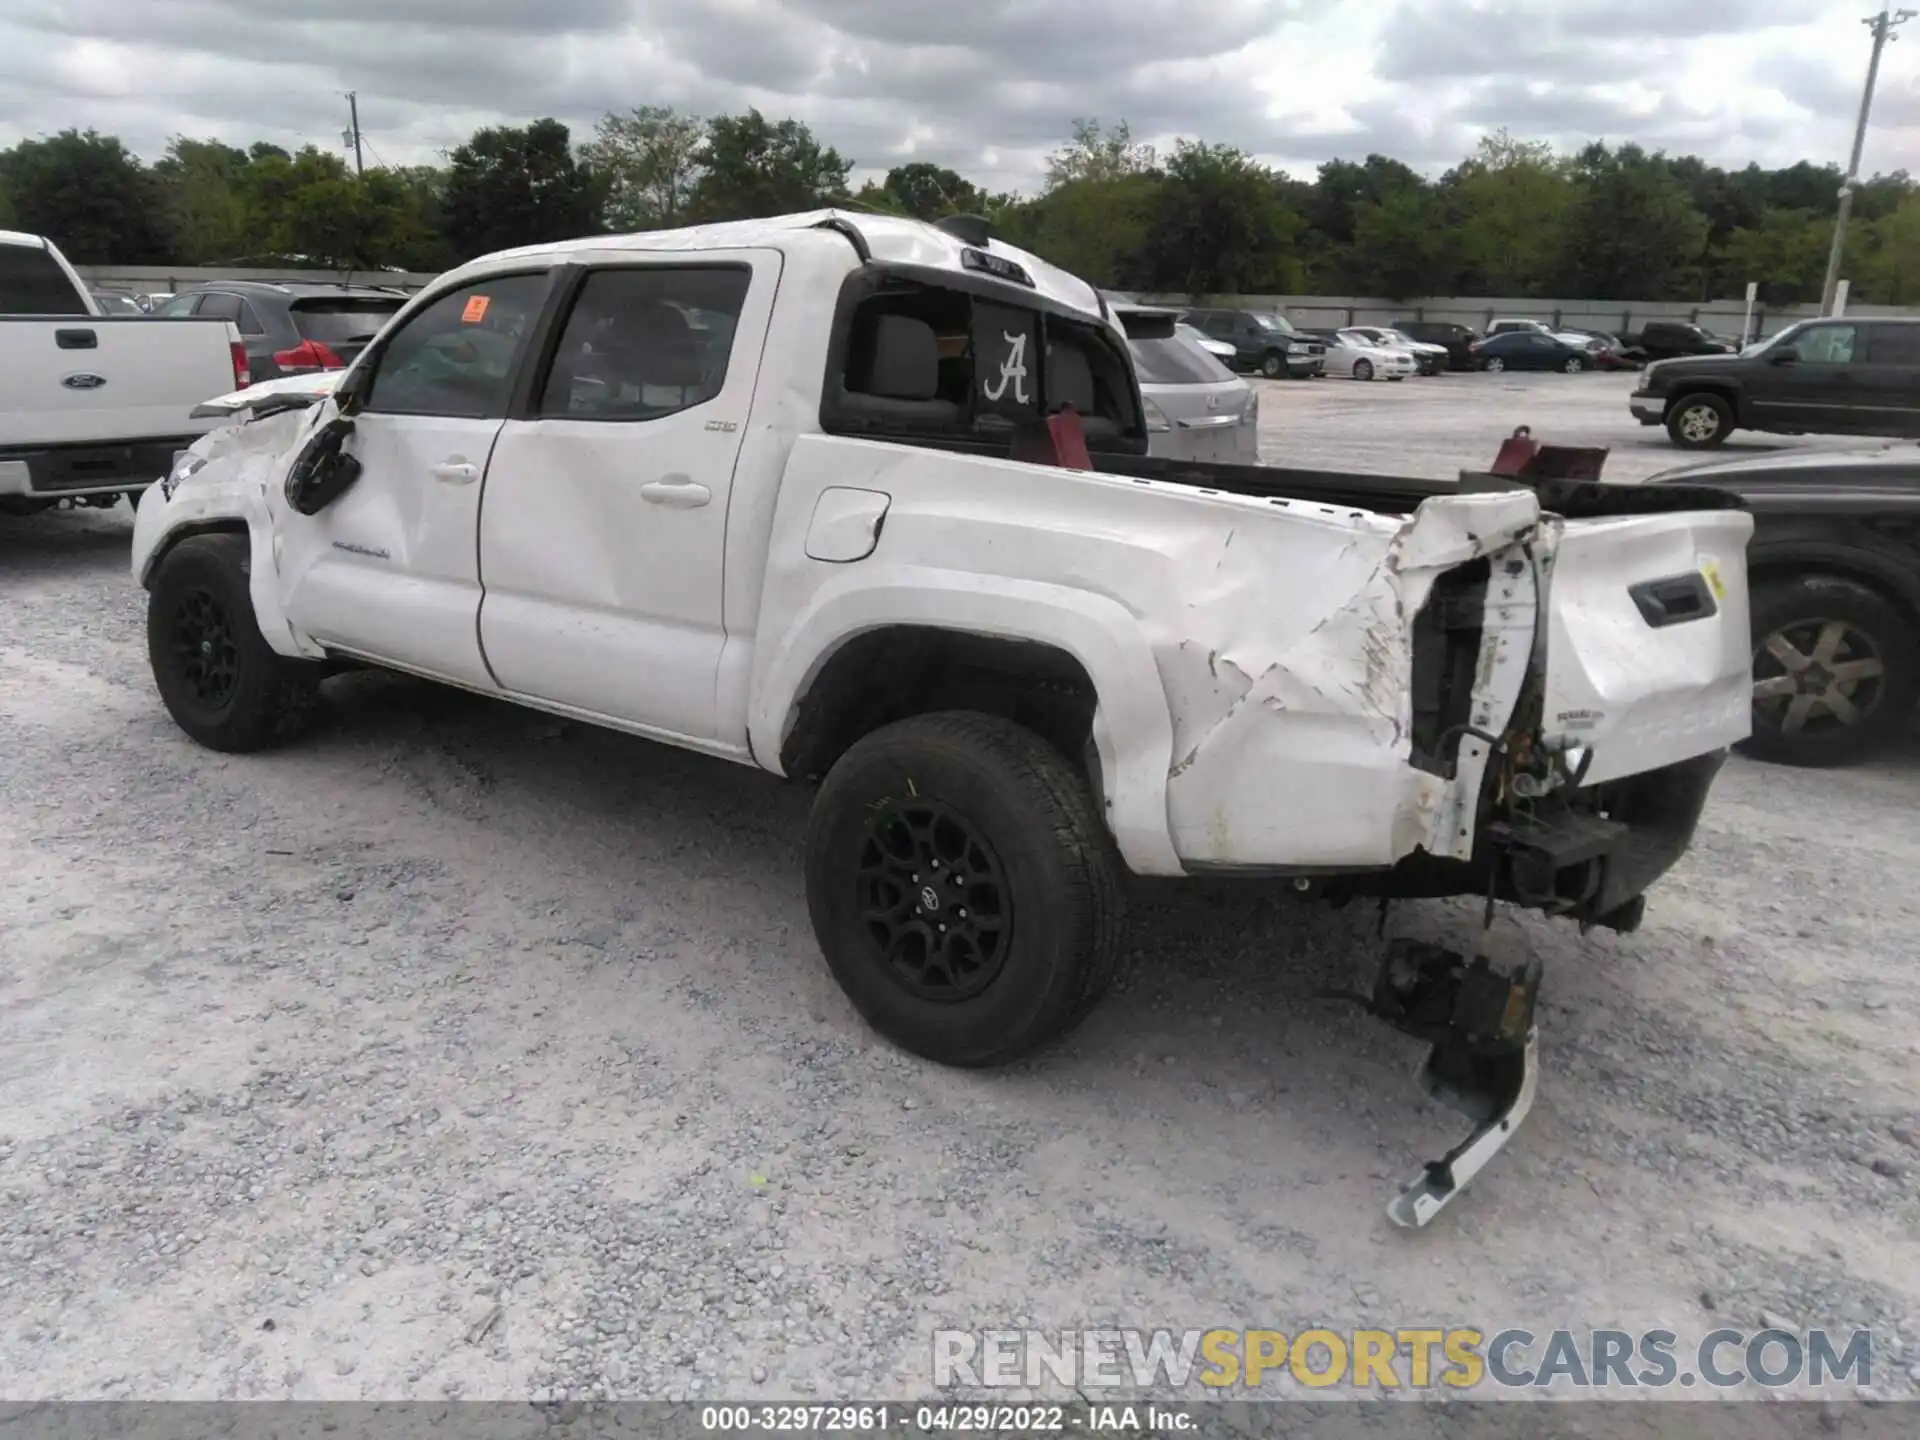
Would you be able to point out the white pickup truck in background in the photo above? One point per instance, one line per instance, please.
(94, 406)
(869, 501)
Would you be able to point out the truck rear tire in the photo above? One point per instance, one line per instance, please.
(214, 670)
(1836, 671)
(1699, 422)
(963, 887)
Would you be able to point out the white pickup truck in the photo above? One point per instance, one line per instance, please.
(94, 406)
(867, 501)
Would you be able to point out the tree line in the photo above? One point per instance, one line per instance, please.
(1515, 218)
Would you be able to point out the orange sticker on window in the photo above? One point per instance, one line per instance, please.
(476, 310)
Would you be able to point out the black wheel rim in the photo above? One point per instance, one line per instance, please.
(202, 648)
(934, 900)
(1817, 676)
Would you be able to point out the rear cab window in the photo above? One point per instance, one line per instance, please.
(922, 360)
(32, 283)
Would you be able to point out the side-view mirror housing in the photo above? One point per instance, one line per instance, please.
(322, 472)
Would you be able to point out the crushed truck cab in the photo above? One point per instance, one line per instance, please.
(867, 502)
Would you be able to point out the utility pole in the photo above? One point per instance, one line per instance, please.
(1882, 26)
(353, 116)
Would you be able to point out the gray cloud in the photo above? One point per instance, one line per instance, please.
(988, 86)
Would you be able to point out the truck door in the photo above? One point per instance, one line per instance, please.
(1808, 384)
(1890, 380)
(603, 533)
(389, 570)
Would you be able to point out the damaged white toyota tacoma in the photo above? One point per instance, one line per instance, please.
(867, 501)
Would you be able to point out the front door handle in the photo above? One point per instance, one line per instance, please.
(456, 471)
(676, 491)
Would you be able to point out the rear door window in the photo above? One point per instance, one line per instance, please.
(646, 342)
(1893, 345)
(32, 283)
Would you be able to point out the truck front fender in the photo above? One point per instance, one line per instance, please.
(1132, 731)
(227, 491)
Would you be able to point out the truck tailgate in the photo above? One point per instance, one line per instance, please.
(1649, 658)
(85, 379)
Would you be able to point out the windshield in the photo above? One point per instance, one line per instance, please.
(1278, 323)
(1175, 361)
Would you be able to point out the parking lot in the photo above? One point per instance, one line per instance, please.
(1438, 425)
(456, 1051)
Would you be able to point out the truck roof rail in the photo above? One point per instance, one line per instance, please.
(847, 228)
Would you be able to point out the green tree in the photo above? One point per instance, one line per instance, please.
(1887, 257)
(1099, 154)
(1633, 231)
(1100, 230)
(1221, 226)
(927, 192)
(201, 185)
(1511, 201)
(647, 161)
(752, 168)
(511, 186)
(88, 194)
(1785, 254)
(1402, 246)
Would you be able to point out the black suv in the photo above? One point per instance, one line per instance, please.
(1261, 341)
(1457, 338)
(295, 328)
(1830, 376)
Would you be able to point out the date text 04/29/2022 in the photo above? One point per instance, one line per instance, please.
(971, 1419)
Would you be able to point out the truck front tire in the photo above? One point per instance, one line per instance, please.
(1699, 422)
(1836, 671)
(963, 887)
(214, 670)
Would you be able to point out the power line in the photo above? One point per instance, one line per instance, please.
(1883, 26)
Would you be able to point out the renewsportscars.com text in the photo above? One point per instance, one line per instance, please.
(1417, 1358)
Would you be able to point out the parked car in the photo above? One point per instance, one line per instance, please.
(825, 549)
(289, 329)
(1512, 326)
(1530, 350)
(93, 406)
(1219, 349)
(116, 302)
(1669, 339)
(1262, 341)
(1834, 569)
(1838, 376)
(1428, 359)
(1358, 356)
(1196, 408)
(1607, 350)
(1458, 339)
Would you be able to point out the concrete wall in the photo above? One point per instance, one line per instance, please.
(1328, 312)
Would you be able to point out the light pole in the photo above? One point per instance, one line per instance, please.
(1882, 26)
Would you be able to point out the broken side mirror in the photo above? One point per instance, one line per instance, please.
(322, 472)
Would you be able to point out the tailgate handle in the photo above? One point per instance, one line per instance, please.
(76, 339)
(1674, 600)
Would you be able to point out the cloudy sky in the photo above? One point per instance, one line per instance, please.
(987, 86)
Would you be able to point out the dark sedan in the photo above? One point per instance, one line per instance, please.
(1457, 338)
(1529, 350)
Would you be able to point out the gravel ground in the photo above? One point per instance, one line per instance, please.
(458, 1052)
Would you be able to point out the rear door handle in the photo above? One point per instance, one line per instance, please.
(76, 340)
(676, 491)
(456, 472)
